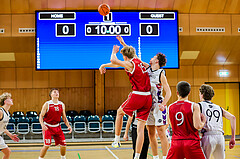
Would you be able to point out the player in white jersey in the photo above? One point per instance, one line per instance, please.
(157, 119)
(213, 141)
(6, 102)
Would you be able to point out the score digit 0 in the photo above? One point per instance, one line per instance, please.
(65, 29)
(149, 29)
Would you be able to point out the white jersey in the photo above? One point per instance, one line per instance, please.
(156, 85)
(214, 116)
(4, 121)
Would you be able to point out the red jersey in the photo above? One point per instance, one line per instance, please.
(139, 77)
(54, 113)
(181, 117)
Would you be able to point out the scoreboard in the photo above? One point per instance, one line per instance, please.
(84, 39)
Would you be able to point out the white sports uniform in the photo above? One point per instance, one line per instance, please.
(3, 126)
(213, 141)
(156, 117)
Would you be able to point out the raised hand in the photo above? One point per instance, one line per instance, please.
(115, 49)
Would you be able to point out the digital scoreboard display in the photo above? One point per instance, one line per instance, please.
(84, 39)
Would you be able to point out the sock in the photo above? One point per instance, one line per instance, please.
(63, 157)
(156, 157)
(117, 138)
(164, 157)
(137, 155)
(40, 157)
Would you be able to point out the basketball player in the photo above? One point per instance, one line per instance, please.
(186, 120)
(139, 99)
(49, 119)
(213, 141)
(157, 119)
(6, 102)
(133, 121)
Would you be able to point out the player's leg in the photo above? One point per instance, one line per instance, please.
(125, 108)
(118, 127)
(153, 140)
(192, 150)
(161, 130)
(63, 152)
(144, 152)
(140, 138)
(176, 150)
(43, 151)
(6, 152)
(47, 142)
(207, 146)
(219, 152)
(134, 138)
(60, 140)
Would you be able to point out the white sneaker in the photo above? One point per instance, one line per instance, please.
(116, 144)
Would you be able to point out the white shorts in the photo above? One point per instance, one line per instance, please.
(157, 117)
(213, 144)
(2, 144)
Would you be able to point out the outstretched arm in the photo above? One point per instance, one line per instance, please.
(120, 39)
(167, 90)
(102, 68)
(232, 119)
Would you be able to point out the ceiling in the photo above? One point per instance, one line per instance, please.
(214, 50)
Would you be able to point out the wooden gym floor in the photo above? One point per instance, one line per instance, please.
(99, 150)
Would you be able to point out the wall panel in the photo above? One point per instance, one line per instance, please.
(5, 7)
(19, 6)
(6, 23)
(56, 79)
(24, 77)
(8, 78)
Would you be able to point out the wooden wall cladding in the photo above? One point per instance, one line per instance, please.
(210, 20)
(235, 24)
(33, 99)
(22, 21)
(5, 7)
(6, 24)
(19, 6)
(184, 23)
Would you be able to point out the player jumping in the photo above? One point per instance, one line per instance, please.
(139, 99)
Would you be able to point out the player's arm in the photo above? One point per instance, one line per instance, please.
(114, 60)
(232, 119)
(198, 118)
(120, 39)
(102, 68)
(12, 136)
(42, 114)
(64, 118)
(167, 90)
(125, 137)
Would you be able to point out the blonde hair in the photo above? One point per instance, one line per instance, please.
(128, 51)
(3, 97)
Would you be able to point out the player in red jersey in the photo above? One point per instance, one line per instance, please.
(186, 120)
(49, 119)
(139, 99)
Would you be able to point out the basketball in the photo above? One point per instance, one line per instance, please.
(104, 9)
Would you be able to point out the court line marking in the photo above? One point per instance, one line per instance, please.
(111, 152)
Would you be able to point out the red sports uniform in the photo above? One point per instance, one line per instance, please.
(52, 119)
(140, 99)
(185, 138)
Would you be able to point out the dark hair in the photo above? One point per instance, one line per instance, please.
(183, 88)
(52, 91)
(128, 51)
(162, 59)
(207, 91)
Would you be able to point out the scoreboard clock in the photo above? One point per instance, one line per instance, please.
(84, 39)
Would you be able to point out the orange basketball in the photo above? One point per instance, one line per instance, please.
(103, 9)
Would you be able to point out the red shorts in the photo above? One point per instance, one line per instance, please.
(141, 103)
(189, 149)
(56, 133)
